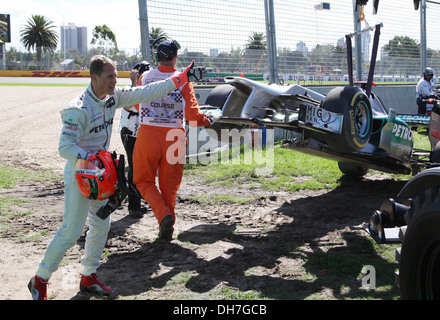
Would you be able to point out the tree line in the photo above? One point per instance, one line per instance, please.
(40, 39)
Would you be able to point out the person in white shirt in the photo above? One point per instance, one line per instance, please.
(128, 128)
(424, 89)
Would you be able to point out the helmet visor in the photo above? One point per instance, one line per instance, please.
(84, 164)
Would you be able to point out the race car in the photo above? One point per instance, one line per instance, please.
(349, 124)
(346, 124)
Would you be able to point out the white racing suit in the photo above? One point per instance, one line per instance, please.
(87, 127)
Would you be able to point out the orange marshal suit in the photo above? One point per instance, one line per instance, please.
(161, 143)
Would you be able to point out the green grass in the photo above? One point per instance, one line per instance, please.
(8, 210)
(7, 204)
(290, 171)
(335, 269)
(319, 272)
(10, 176)
(322, 271)
(10, 205)
(234, 294)
(421, 139)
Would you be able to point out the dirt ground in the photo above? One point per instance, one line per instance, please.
(246, 247)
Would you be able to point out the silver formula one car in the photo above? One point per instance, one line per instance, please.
(349, 124)
(345, 125)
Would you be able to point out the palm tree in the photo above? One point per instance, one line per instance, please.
(256, 41)
(39, 34)
(156, 33)
(255, 51)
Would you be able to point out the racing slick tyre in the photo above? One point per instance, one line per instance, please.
(355, 106)
(419, 256)
(218, 96)
(435, 155)
(351, 169)
(224, 132)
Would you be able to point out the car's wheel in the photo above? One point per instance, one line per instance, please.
(218, 96)
(435, 156)
(354, 104)
(352, 169)
(419, 256)
(224, 132)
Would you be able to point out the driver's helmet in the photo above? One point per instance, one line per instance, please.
(428, 72)
(97, 182)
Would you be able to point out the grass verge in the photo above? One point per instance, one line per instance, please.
(10, 176)
(291, 171)
(11, 205)
(325, 271)
(322, 269)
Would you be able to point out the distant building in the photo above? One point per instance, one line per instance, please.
(341, 43)
(365, 46)
(301, 47)
(73, 37)
(213, 52)
(68, 64)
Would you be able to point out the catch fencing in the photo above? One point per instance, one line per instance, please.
(229, 37)
(310, 37)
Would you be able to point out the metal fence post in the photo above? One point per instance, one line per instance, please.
(423, 55)
(357, 39)
(271, 41)
(145, 37)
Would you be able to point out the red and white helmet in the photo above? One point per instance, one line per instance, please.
(97, 182)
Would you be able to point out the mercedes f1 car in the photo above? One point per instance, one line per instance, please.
(349, 124)
(346, 124)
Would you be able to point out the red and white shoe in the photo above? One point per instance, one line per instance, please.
(38, 288)
(91, 284)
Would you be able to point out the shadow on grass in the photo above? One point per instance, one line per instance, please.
(297, 260)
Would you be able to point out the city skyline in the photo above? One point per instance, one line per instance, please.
(73, 37)
(124, 20)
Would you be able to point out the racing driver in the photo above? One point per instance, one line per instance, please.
(87, 127)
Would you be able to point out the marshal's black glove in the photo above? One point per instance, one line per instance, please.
(196, 74)
(189, 74)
